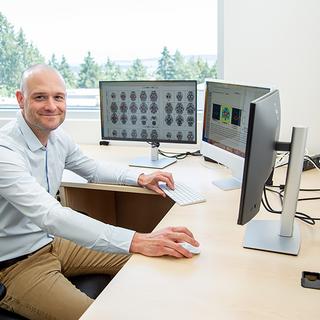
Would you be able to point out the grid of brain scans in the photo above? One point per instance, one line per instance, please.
(163, 111)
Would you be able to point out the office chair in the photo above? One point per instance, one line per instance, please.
(90, 284)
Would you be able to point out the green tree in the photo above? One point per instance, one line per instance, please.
(198, 69)
(16, 54)
(112, 71)
(137, 71)
(179, 66)
(165, 68)
(64, 69)
(89, 74)
(53, 62)
(28, 54)
(67, 73)
(213, 73)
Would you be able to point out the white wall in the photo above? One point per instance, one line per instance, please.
(278, 42)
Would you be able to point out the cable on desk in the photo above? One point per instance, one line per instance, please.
(306, 157)
(179, 156)
(312, 161)
(299, 215)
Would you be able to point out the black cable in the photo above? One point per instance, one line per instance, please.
(179, 156)
(281, 165)
(300, 199)
(312, 161)
(299, 215)
(280, 159)
(306, 199)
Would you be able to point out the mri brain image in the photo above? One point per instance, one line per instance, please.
(143, 107)
(133, 107)
(161, 111)
(179, 120)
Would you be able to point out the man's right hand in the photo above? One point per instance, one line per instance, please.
(164, 242)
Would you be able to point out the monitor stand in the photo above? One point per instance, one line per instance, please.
(227, 184)
(282, 236)
(154, 161)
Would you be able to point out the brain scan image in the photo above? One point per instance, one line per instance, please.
(154, 135)
(190, 108)
(153, 96)
(190, 96)
(153, 107)
(169, 135)
(179, 120)
(179, 135)
(124, 133)
(114, 133)
(133, 107)
(168, 107)
(113, 95)
(123, 107)
(179, 96)
(168, 119)
(114, 107)
(134, 134)
(133, 95)
(114, 118)
(190, 121)
(168, 95)
(123, 118)
(144, 134)
(143, 107)
(133, 119)
(154, 120)
(143, 120)
(123, 95)
(143, 96)
(179, 108)
(190, 136)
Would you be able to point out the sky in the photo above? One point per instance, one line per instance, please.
(120, 30)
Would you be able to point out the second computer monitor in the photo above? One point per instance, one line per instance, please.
(226, 124)
(149, 111)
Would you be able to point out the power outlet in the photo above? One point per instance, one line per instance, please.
(307, 165)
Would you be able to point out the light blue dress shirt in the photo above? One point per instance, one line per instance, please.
(30, 176)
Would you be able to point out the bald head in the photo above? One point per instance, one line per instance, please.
(42, 100)
(36, 70)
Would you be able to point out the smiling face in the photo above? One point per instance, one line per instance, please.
(42, 101)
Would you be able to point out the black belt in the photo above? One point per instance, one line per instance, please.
(8, 263)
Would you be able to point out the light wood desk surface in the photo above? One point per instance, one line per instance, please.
(225, 281)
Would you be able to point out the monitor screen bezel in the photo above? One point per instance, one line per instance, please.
(259, 165)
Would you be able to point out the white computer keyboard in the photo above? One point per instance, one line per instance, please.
(182, 194)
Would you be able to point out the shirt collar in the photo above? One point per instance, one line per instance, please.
(30, 138)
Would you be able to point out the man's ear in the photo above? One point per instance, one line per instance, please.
(20, 99)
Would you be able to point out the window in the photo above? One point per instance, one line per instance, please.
(98, 40)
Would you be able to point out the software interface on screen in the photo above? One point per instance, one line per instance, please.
(226, 115)
(163, 111)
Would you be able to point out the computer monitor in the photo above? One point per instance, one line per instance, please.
(261, 146)
(149, 111)
(225, 126)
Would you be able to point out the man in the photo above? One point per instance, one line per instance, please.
(41, 242)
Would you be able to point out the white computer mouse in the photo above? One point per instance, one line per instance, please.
(190, 248)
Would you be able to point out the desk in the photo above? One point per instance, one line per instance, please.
(225, 281)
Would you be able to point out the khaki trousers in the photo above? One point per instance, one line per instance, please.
(37, 287)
